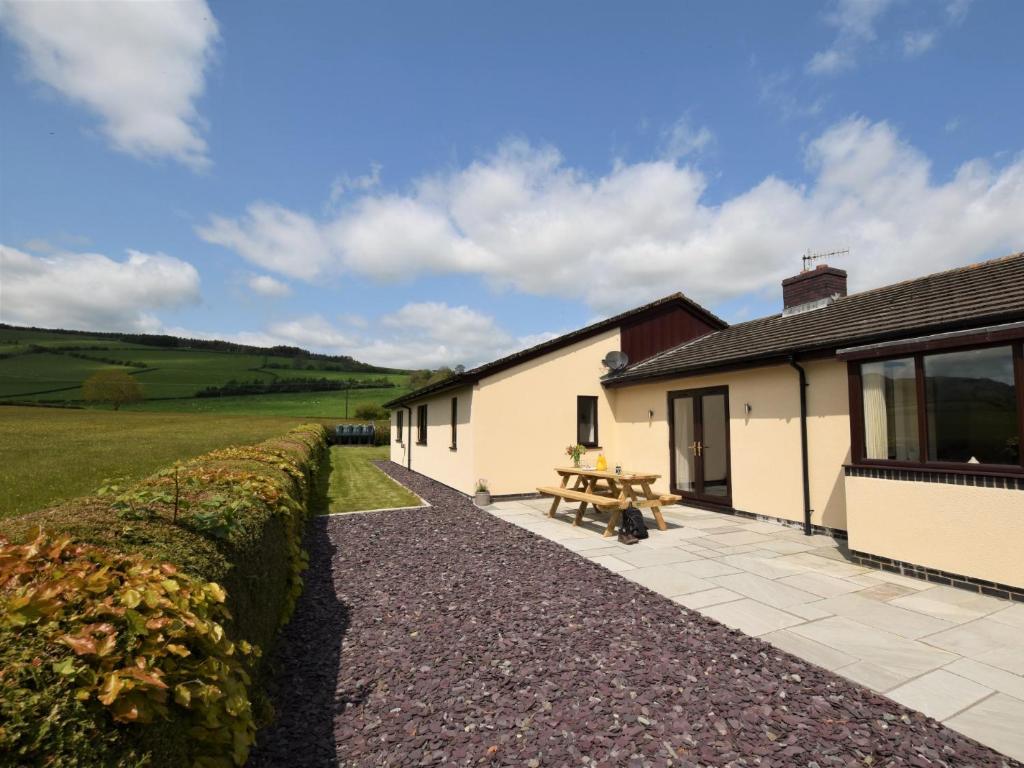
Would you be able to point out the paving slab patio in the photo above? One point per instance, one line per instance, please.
(955, 655)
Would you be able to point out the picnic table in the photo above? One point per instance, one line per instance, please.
(608, 491)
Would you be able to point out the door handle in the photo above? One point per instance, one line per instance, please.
(695, 447)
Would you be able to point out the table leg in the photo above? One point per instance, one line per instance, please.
(613, 520)
(655, 510)
(554, 506)
(587, 487)
(616, 514)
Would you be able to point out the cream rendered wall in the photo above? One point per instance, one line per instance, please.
(525, 417)
(828, 440)
(436, 459)
(961, 529)
(765, 444)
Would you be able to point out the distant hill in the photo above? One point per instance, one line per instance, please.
(51, 337)
(48, 366)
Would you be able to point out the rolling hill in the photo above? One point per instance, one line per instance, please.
(43, 366)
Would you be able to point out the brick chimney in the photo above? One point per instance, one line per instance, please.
(814, 285)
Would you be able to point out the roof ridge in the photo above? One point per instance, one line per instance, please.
(553, 344)
(948, 299)
(921, 278)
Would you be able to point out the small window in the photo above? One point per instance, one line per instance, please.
(586, 420)
(399, 425)
(421, 424)
(455, 423)
(890, 410)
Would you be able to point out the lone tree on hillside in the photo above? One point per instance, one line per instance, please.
(114, 387)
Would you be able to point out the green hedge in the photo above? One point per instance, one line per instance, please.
(132, 623)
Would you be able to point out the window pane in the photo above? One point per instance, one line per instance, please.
(972, 407)
(685, 444)
(586, 421)
(890, 410)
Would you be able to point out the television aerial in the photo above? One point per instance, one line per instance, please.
(615, 360)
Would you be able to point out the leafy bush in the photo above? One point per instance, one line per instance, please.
(114, 387)
(211, 549)
(371, 411)
(382, 432)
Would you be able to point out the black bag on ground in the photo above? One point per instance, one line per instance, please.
(633, 523)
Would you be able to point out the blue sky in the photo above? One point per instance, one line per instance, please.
(440, 183)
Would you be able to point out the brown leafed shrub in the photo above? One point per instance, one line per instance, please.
(117, 644)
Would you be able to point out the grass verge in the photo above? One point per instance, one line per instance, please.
(357, 485)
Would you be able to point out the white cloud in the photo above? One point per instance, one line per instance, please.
(138, 65)
(524, 219)
(779, 90)
(274, 238)
(345, 183)
(921, 41)
(683, 140)
(418, 335)
(90, 291)
(854, 21)
(265, 285)
(956, 10)
(830, 61)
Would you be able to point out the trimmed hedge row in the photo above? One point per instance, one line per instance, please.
(132, 623)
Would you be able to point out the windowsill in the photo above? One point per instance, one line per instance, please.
(453, 448)
(594, 447)
(424, 442)
(986, 470)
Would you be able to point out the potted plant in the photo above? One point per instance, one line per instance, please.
(483, 494)
(575, 452)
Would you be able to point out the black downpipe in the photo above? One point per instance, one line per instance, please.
(803, 444)
(408, 442)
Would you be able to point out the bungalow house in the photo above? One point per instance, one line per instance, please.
(892, 417)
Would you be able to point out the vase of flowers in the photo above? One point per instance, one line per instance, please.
(575, 452)
(483, 494)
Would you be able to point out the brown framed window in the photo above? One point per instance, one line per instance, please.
(455, 424)
(421, 424)
(959, 409)
(399, 425)
(586, 420)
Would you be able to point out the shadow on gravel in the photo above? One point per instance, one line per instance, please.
(305, 668)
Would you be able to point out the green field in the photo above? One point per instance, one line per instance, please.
(358, 485)
(33, 377)
(49, 454)
(172, 375)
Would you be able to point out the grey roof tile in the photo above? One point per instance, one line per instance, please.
(991, 291)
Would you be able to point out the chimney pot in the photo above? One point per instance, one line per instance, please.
(814, 285)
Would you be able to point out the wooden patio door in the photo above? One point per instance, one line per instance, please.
(699, 444)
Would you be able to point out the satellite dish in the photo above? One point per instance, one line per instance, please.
(616, 360)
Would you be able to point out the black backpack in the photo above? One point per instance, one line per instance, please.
(633, 523)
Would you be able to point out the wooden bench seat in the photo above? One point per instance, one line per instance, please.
(598, 500)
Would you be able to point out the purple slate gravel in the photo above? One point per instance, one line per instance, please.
(445, 636)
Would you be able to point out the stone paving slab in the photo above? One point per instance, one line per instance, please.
(894, 634)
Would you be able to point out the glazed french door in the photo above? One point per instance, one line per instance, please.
(699, 436)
